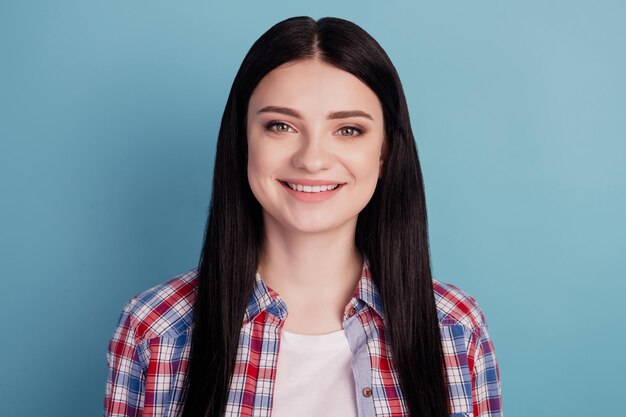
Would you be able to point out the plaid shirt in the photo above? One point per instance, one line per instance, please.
(147, 355)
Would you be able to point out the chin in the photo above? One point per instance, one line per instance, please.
(312, 228)
(312, 225)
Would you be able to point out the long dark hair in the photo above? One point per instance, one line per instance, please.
(391, 230)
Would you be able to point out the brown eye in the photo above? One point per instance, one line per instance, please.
(350, 131)
(278, 127)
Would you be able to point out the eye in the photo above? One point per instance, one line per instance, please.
(351, 131)
(278, 127)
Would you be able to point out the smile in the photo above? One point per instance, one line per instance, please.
(311, 188)
(311, 193)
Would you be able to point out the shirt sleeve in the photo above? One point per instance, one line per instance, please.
(486, 389)
(125, 386)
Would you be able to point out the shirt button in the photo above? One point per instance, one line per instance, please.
(352, 312)
(367, 392)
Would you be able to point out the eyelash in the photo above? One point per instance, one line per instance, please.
(358, 130)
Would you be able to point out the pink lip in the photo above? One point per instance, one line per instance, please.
(311, 182)
(311, 197)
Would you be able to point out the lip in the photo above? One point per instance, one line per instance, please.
(311, 197)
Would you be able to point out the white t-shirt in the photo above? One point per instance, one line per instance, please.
(314, 376)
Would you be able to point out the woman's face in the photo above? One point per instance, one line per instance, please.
(312, 126)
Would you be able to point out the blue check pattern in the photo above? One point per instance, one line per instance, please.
(148, 354)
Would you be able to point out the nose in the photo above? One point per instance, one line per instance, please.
(313, 154)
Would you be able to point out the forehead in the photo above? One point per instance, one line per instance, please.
(314, 88)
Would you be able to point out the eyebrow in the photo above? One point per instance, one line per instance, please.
(334, 115)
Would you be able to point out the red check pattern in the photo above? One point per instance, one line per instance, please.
(147, 355)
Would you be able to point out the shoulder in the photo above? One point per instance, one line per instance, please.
(163, 310)
(456, 307)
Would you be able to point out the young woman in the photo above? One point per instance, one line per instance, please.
(314, 293)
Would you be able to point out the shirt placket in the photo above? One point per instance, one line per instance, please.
(361, 366)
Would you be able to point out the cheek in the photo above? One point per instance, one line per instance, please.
(255, 150)
(365, 164)
(255, 173)
(261, 160)
(255, 167)
(263, 165)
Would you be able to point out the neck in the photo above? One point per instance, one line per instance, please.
(314, 273)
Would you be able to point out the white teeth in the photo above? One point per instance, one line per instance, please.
(312, 188)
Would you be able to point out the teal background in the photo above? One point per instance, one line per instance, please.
(109, 112)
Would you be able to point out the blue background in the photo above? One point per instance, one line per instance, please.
(109, 112)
